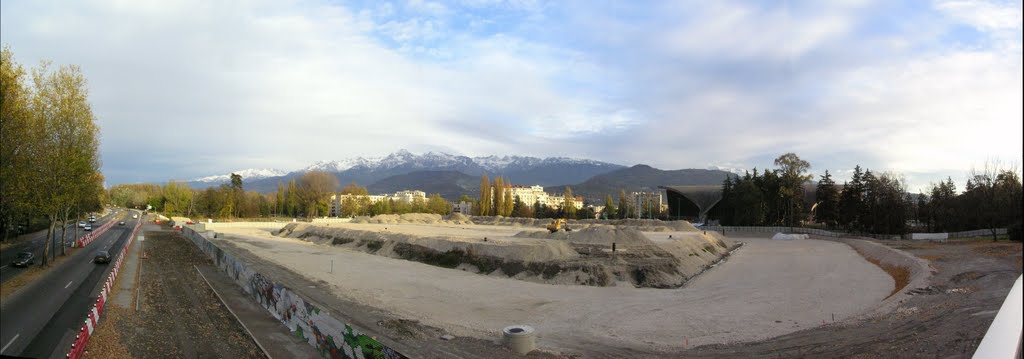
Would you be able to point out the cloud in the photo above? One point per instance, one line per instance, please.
(201, 87)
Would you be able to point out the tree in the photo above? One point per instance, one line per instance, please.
(315, 187)
(509, 202)
(18, 147)
(827, 210)
(499, 196)
(624, 207)
(436, 204)
(279, 198)
(569, 203)
(484, 207)
(851, 200)
(177, 198)
(292, 199)
(609, 207)
(793, 174)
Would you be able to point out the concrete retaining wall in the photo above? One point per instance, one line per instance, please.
(919, 271)
(330, 220)
(332, 337)
(929, 236)
(202, 227)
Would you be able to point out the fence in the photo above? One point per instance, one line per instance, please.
(330, 336)
(330, 220)
(82, 338)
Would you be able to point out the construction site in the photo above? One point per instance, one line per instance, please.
(596, 288)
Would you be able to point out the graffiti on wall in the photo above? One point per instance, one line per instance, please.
(330, 336)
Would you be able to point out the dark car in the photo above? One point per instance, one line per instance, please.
(102, 257)
(24, 259)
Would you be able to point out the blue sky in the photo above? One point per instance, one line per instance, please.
(184, 89)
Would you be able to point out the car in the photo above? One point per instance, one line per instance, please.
(88, 227)
(92, 219)
(135, 216)
(81, 224)
(121, 223)
(102, 257)
(24, 259)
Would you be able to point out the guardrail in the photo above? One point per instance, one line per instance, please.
(93, 320)
(1003, 338)
(91, 236)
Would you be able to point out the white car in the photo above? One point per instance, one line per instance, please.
(88, 227)
(81, 224)
(135, 216)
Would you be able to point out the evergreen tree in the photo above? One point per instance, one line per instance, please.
(851, 200)
(827, 210)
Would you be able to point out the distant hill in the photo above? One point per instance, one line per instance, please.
(640, 178)
(450, 184)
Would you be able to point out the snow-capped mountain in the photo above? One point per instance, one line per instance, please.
(247, 174)
(368, 170)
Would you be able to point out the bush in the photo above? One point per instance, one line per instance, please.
(1015, 232)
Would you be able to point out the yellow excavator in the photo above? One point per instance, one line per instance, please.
(557, 225)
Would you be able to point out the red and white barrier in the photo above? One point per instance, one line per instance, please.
(78, 346)
(91, 236)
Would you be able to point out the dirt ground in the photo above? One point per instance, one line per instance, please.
(180, 316)
(946, 319)
(767, 288)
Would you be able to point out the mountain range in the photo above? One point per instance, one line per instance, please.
(453, 175)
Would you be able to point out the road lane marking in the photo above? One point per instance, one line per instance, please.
(69, 284)
(10, 342)
(3, 267)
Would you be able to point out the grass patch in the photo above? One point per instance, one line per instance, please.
(900, 275)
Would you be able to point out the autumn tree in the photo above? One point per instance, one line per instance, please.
(485, 203)
(568, 203)
(315, 187)
(609, 207)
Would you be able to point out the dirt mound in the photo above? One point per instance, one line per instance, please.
(645, 225)
(458, 218)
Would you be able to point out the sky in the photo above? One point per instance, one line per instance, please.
(183, 89)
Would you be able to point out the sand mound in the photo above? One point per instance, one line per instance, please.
(582, 256)
(458, 218)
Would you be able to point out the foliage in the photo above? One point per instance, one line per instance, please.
(49, 158)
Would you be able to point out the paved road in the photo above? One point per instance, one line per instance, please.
(43, 317)
(35, 245)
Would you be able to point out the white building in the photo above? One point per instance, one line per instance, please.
(533, 194)
(463, 207)
(407, 196)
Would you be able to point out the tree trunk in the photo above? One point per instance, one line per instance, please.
(49, 237)
(64, 230)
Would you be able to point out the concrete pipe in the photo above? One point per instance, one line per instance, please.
(519, 338)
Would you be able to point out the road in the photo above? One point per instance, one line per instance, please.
(44, 316)
(35, 245)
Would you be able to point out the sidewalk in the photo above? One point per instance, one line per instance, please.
(269, 333)
(128, 277)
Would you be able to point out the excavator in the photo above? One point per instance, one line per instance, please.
(558, 224)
